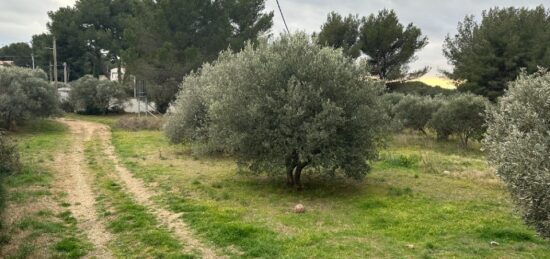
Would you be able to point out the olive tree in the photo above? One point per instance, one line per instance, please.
(462, 115)
(25, 94)
(518, 145)
(93, 96)
(415, 112)
(286, 106)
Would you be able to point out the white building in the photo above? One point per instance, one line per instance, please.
(115, 76)
(6, 63)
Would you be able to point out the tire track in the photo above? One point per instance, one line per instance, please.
(143, 195)
(75, 180)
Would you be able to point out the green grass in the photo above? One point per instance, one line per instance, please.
(38, 141)
(137, 233)
(437, 197)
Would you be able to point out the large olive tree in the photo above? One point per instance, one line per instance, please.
(24, 95)
(284, 107)
(518, 145)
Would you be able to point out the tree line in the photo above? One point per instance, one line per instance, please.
(162, 41)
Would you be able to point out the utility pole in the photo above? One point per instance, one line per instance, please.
(51, 73)
(65, 79)
(32, 57)
(54, 60)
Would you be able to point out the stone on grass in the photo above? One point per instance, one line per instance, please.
(299, 208)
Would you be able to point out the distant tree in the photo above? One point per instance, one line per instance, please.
(92, 96)
(390, 46)
(25, 94)
(415, 112)
(42, 47)
(285, 106)
(518, 145)
(462, 115)
(72, 47)
(20, 53)
(339, 32)
(489, 54)
(90, 35)
(167, 39)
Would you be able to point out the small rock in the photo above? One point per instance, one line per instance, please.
(299, 208)
(446, 172)
(410, 246)
(494, 243)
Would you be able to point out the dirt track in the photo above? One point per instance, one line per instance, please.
(78, 181)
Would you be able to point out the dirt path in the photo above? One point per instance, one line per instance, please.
(75, 180)
(138, 189)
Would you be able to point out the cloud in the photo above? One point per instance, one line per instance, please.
(20, 19)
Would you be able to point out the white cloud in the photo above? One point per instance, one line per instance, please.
(20, 19)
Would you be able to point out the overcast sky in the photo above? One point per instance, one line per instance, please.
(20, 19)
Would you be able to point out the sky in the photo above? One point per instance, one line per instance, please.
(20, 19)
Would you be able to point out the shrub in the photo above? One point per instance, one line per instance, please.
(139, 123)
(462, 115)
(415, 112)
(9, 157)
(285, 106)
(518, 145)
(25, 94)
(93, 96)
(188, 122)
(388, 102)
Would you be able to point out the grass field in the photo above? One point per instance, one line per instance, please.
(422, 199)
(38, 222)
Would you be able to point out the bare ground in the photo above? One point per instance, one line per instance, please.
(76, 181)
(73, 162)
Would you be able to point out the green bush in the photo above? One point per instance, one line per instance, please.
(462, 115)
(518, 145)
(9, 156)
(283, 106)
(25, 94)
(388, 102)
(90, 95)
(415, 112)
(188, 123)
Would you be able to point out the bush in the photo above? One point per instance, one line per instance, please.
(518, 145)
(415, 112)
(25, 94)
(139, 123)
(9, 157)
(388, 102)
(462, 115)
(285, 106)
(189, 121)
(90, 95)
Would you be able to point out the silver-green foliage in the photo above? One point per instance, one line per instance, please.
(518, 145)
(462, 115)
(93, 96)
(414, 111)
(25, 94)
(283, 106)
(9, 156)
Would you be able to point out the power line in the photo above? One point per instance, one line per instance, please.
(283, 16)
